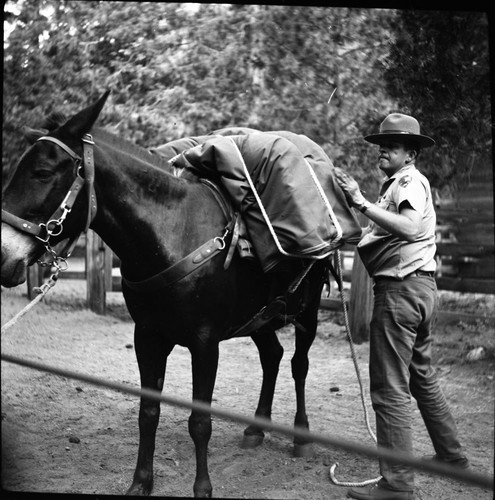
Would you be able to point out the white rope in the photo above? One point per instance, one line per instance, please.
(295, 285)
(321, 192)
(361, 387)
(42, 291)
(268, 222)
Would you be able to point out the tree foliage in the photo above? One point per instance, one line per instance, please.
(439, 71)
(177, 70)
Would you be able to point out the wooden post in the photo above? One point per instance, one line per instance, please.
(95, 273)
(108, 268)
(361, 301)
(34, 279)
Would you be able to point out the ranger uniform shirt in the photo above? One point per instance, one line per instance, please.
(386, 255)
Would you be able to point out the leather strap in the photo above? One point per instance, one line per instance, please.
(89, 174)
(220, 197)
(195, 259)
(42, 231)
(23, 224)
(61, 145)
(276, 309)
(233, 242)
(180, 269)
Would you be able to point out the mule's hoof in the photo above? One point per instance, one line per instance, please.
(138, 491)
(203, 494)
(203, 489)
(303, 450)
(250, 441)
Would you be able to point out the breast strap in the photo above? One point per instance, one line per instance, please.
(196, 258)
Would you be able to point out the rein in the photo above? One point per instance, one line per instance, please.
(54, 227)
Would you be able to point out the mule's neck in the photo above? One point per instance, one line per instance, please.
(141, 208)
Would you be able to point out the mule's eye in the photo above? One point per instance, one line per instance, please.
(43, 175)
(34, 214)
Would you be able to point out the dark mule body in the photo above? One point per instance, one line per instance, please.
(151, 219)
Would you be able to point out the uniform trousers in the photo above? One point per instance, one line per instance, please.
(400, 367)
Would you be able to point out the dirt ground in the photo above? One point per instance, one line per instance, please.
(63, 436)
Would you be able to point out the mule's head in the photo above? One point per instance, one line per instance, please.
(36, 188)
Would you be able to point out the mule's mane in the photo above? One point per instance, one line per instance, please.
(129, 148)
(158, 173)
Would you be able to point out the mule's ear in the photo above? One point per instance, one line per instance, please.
(54, 120)
(32, 135)
(82, 122)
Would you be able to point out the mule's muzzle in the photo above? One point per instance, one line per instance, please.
(17, 253)
(13, 274)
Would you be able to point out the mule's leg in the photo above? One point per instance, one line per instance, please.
(152, 356)
(204, 370)
(270, 352)
(300, 366)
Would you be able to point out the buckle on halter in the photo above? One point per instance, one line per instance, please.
(47, 237)
(88, 139)
(51, 229)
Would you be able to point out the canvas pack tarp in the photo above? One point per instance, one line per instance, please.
(269, 179)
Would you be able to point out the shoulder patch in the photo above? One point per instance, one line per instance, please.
(405, 180)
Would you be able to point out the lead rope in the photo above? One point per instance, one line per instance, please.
(361, 388)
(42, 291)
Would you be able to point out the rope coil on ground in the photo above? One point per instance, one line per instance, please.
(361, 388)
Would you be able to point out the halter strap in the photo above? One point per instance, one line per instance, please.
(22, 224)
(44, 231)
(59, 143)
(89, 174)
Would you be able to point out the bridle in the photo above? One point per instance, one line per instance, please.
(54, 227)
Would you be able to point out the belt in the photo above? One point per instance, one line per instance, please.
(418, 273)
(430, 274)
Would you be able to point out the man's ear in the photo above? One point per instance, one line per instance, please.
(411, 156)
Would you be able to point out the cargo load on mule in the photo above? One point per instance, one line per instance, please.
(282, 185)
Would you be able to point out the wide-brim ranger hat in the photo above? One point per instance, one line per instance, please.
(399, 127)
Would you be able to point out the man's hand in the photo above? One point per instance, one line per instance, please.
(350, 187)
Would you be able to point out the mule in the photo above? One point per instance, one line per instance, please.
(151, 219)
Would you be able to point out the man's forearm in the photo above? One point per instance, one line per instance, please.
(404, 224)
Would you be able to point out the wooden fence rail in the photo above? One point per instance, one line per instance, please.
(465, 236)
(465, 250)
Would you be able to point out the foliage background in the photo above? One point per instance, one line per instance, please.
(179, 69)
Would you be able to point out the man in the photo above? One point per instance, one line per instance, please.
(398, 250)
